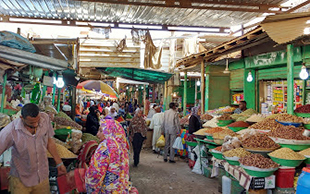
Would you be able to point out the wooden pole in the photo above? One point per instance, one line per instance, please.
(290, 79)
(73, 101)
(5, 76)
(185, 94)
(202, 87)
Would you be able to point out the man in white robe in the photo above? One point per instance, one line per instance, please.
(156, 124)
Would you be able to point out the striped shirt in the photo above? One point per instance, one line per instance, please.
(29, 161)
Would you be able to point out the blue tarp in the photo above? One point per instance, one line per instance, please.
(13, 40)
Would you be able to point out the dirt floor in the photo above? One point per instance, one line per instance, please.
(153, 175)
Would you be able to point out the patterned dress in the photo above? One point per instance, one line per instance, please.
(108, 170)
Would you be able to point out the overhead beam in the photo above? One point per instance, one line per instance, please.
(208, 5)
(298, 6)
(78, 23)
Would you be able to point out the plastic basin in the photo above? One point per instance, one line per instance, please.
(307, 126)
(289, 123)
(225, 122)
(302, 114)
(232, 161)
(190, 143)
(236, 129)
(285, 162)
(210, 137)
(307, 160)
(295, 147)
(217, 155)
(256, 172)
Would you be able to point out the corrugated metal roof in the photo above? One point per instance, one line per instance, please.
(122, 13)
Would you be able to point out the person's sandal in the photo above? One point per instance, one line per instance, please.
(171, 161)
(165, 160)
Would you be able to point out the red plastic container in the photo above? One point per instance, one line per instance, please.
(191, 163)
(285, 177)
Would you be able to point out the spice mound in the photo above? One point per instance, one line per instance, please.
(224, 117)
(303, 109)
(267, 124)
(288, 132)
(259, 161)
(223, 134)
(289, 118)
(286, 153)
(66, 122)
(248, 112)
(239, 124)
(256, 118)
(238, 152)
(62, 152)
(259, 141)
(214, 130)
(219, 148)
(206, 117)
(305, 152)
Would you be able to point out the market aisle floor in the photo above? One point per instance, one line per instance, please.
(154, 176)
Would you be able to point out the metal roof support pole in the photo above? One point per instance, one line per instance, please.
(44, 87)
(185, 93)
(5, 76)
(54, 89)
(58, 99)
(290, 79)
(202, 87)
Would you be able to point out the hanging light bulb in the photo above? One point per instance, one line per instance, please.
(60, 81)
(127, 87)
(198, 83)
(226, 69)
(142, 87)
(303, 73)
(174, 94)
(250, 77)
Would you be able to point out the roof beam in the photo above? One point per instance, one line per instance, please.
(298, 6)
(199, 4)
(78, 23)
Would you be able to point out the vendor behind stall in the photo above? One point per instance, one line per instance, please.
(30, 137)
(194, 120)
(242, 107)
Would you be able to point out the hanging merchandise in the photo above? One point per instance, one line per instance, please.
(36, 94)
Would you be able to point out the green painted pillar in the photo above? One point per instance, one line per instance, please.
(304, 85)
(58, 99)
(290, 79)
(44, 87)
(54, 90)
(5, 76)
(165, 95)
(249, 90)
(207, 82)
(185, 94)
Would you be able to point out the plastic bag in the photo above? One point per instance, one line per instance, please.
(161, 141)
(178, 144)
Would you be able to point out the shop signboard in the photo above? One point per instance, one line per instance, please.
(271, 59)
(263, 183)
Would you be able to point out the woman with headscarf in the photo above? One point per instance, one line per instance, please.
(92, 122)
(137, 131)
(194, 120)
(108, 170)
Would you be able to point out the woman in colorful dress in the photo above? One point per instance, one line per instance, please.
(108, 170)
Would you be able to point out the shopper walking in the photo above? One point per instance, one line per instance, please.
(108, 170)
(92, 122)
(171, 127)
(137, 131)
(30, 136)
(156, 124)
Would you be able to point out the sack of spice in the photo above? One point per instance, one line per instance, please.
(239, 124)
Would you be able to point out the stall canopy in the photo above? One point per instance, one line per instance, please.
(28, 58)
(150, 76)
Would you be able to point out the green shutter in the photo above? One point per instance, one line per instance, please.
(236, 79)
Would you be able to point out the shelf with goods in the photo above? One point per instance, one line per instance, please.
(275, 96)
(236, 95)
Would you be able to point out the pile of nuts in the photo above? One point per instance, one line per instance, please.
(267, 124)
(288, 132)
(286, 153)
(238, 152)
(214, 130)
(259, 141)
(289, 118)
(259, 161)
(206, 117)
(224, 117)
(222, 134)
(303, 109)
